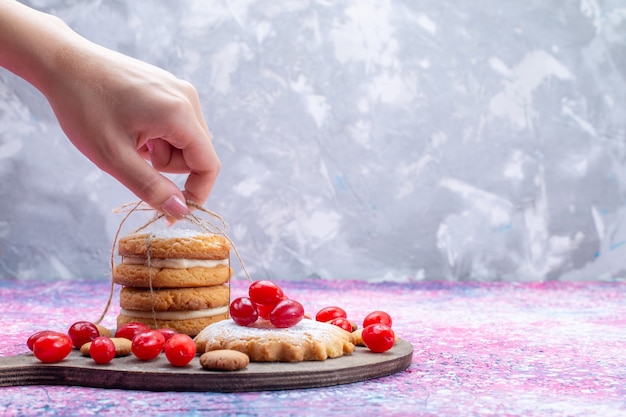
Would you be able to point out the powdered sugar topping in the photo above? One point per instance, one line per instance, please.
(304, 332)
(175, 233)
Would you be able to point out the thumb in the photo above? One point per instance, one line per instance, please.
(149, 185)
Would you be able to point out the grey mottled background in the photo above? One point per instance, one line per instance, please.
(375, 140)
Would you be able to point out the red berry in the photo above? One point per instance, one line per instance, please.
(148, 345)
(131, 329)
(329, 313)
(33, 338)
(265, 293)
(378, 337)
(343, 323)
(180, 349)
(377, 317)
(167, 333)
(243, 311)
(52, 347)
(82, 332)
(102, 350)
(264, 310)
(287, 313)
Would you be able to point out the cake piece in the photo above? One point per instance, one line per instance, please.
(173, 258)
(309, 340)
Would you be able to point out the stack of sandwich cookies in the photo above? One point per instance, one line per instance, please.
(175, 278)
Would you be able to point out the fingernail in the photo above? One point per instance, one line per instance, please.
(175, 207)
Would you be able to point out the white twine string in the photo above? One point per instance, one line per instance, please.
(206, 224)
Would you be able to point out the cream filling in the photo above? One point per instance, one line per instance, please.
(175, 263)
(175, 315)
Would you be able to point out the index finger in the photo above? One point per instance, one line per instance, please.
(204, 166)
(194, 140)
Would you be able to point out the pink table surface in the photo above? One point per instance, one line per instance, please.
(481, 349)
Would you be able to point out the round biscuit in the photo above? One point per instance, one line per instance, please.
(103, 331)
(174, 299)
(357, 337)
(141, 276)
(186, 245)
(224, 360)
(190, 327)
(122, 347)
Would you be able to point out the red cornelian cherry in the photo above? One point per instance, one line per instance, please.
(378, 337)
(342, 323)
(264, 310)
(265, 293)
(180, 349)
(243, 311)
(287, 313)
(329, 313)
(377, 317)
(33, 338)
(167, 333)
(148, 345)
(52, 347)
(82, 332)
(102, 350)
(131, 329)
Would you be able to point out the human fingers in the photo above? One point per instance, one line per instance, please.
(199, 160)
(188, 149)
(199, 184)
(147, 183)
(200, 156)
(204, 166)
(165, 157)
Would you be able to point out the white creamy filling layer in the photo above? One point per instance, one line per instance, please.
(175, 315)
(174, 263)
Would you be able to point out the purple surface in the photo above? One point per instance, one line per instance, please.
(507, 349)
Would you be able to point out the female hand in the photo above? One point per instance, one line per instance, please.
(119, 111)
(116, 110)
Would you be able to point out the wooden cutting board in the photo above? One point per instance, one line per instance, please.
(158, 375)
